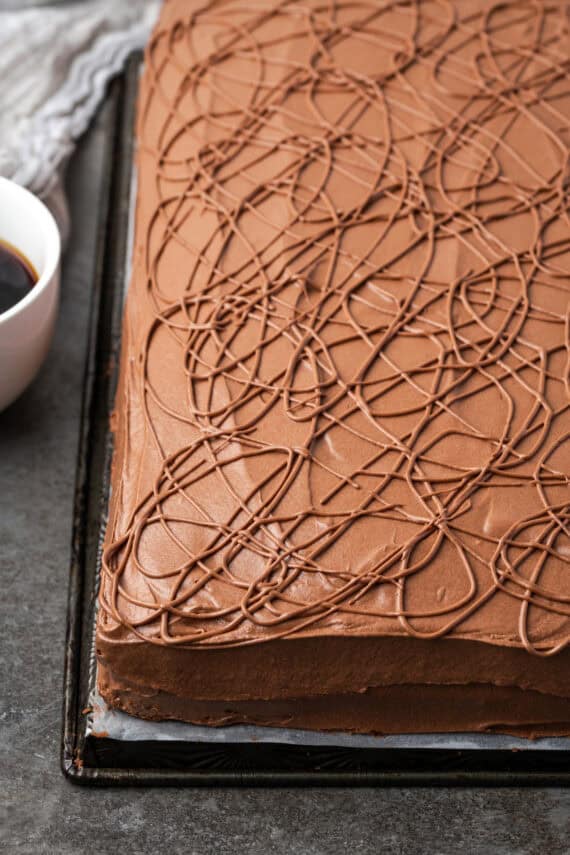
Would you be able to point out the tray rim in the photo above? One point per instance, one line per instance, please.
(108, 277)
(121, 100)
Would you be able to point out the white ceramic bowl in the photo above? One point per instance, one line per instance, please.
(26, 329)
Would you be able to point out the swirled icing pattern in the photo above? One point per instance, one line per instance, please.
(343, 404)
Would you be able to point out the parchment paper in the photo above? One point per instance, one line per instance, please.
(119, 725)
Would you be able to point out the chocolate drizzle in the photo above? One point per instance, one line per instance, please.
(345, 381)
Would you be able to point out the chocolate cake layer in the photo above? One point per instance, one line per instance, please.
(382, 710)
(342, 443)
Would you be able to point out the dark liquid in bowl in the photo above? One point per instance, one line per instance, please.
(17, 276)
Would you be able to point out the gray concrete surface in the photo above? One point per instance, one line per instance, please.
(40, 811)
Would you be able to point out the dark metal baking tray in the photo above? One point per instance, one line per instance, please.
(87, 758)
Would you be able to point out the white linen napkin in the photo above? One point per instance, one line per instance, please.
(55, 62)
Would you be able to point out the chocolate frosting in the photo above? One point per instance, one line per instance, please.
(391, 709)
(345, 379)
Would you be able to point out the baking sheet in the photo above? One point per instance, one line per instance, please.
(113, 724)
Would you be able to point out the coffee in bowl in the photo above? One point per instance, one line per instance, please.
(17, 276)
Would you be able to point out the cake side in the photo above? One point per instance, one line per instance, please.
(399, 708)
(342, 412)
